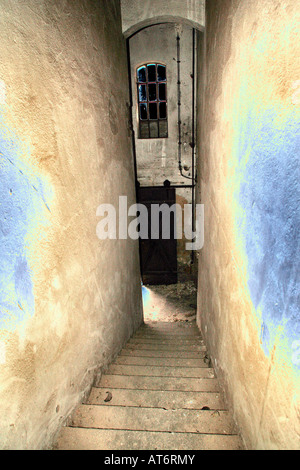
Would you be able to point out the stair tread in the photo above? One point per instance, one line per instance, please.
(160, 361)
(161, 371)
(159, 383)
(163, 353)
(165, 347)
(166, 341)
(157, 419)
(98, 439)
(156, 398)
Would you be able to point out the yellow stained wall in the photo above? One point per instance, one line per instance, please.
(68, 301)
(248, 299)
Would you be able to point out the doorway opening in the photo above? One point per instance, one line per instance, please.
(165, 167)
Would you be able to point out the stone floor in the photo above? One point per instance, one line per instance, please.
(172, 303)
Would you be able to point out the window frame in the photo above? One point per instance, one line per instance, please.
(162, 129)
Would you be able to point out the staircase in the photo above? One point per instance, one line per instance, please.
(159, 394)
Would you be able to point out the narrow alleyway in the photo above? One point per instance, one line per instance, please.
(153, 141)
(159, 393)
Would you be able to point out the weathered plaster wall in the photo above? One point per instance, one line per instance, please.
(68, 300)
(137, 14)
(249, 267)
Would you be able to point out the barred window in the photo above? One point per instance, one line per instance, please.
(152, 101)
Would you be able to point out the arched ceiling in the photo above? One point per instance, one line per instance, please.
(139, 14)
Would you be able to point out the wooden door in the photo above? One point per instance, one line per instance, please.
(158, 257)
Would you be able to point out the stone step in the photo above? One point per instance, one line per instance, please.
(170, 342)
(159, 383)
(166, 347)
(160, 361)
(181, 329)
(174, 332)
(168, 332)
(107, 439)
(158, 419)
(168, 338)
(163, 353)
(160, 371)
(174, 326)
(156, 399)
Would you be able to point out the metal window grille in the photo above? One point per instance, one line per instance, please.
(152, 101)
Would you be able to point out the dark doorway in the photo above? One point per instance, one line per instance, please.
(158, 256)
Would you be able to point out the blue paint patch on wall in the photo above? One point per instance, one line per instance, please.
(269, 195)
(22, 201)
